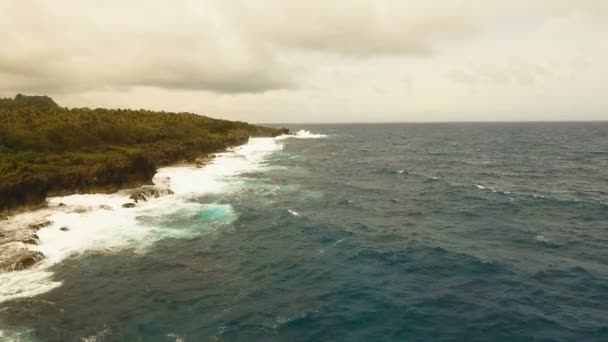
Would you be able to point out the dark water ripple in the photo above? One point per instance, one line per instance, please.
(435, 232)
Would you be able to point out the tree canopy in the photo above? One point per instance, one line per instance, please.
(42, 140)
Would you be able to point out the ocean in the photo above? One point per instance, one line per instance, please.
(388, 232)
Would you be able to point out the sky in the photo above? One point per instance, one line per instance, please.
(315, 60)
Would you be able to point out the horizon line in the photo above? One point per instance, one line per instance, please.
(426, 122)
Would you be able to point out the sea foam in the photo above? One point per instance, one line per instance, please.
(98, 222)
(304, 134)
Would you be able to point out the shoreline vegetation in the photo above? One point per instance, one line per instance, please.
(48, 150)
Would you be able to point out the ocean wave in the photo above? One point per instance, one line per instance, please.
(304, 134)
(24, 334)
(487, 188)
(537, 196)
(281, 320)
(338, 242)
(99, 336)
(392, 171)
(98, 222)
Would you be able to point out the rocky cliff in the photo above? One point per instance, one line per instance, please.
(49, 150)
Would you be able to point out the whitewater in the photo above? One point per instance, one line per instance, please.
(396, 232)
(82, 222)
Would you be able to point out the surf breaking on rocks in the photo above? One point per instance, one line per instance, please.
(106, 223)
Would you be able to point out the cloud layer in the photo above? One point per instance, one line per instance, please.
(309, 60)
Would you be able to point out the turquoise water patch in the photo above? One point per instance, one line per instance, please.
(188, 219)
(217, 212)
(374, 255)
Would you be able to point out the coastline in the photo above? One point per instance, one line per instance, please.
(16, 238)
(47, 150)
(105, 176)
(33, 241)
(134, 183)
(20, 225)
(101, 223)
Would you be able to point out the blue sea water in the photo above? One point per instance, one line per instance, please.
(400, 232)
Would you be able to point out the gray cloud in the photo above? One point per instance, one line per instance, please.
(357, 28)
(514, 70)
(243, 46)
(121, 46)
(320, 57)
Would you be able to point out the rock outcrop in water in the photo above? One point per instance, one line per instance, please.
(16, 257)
(16, 245)
(146, 192)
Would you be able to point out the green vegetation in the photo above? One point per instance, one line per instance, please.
(47, 148)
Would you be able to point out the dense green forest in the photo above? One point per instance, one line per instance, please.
(47, 148)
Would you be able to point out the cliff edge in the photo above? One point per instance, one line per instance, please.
(46, 149)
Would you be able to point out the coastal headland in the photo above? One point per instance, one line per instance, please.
(47, 150)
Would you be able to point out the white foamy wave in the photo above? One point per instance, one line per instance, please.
(98, 336)
(20, 335)
(28, 283)
(212, 178)
(177, 338)
(304, 134)
(481, 187)
(293, 212)
(98, 222)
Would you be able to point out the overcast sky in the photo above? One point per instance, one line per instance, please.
(314, 60)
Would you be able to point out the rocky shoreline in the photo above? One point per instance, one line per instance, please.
(139, 181)
(19, 226)
(18, 238)
(106, 177)
(47, 150)
(16, 241)
(18, 234)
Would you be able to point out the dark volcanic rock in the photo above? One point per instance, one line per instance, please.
(64, 229)
(17, 238)
(32, 190)
(128, 205)
(281, 131)
(105, 207)
(32, 240)
(16, 257)
(40, 224)
(28, 190)
(202, 161)
(146, 192)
